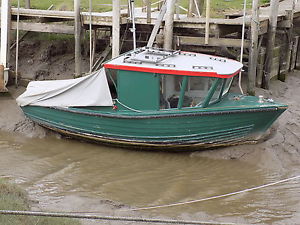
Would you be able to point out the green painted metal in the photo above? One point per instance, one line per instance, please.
(211, 92)
(226, 122)
(138, 120)
(138, 90)
(182, 91)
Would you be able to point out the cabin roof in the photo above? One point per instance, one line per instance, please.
(161, 61)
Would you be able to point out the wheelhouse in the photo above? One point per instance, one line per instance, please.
(154, 79)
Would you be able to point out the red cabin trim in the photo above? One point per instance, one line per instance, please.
(168, 71)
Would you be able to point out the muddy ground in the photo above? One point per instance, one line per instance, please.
(55, 60)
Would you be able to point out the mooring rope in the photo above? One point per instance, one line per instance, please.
(110, 218)
(242, 45)
(213, 197)
(84, 215)
(127, 107)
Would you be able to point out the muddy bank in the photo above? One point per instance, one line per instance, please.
(12, 118)
(40, 58)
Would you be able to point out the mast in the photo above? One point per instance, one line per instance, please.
(133, 30)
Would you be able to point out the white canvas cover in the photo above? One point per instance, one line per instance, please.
(91, 90)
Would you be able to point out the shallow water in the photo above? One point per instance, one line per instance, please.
(67, 175)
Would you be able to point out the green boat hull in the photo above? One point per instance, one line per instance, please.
(227, 123)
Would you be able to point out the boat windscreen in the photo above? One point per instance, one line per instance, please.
(195, 93)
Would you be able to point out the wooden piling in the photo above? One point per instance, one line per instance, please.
(148, 10)
(190, 9)
(294, 52)
(2, 80)
(290, 14)
(168, 30)
(253, 48)
(177, 10)
(271, 42)
(27, 4)
(289, 45)
(77, 27)
(5, 42)
(196, 7)
(207, 21)
(116, 29)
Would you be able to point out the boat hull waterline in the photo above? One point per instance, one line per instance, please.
(189, 130)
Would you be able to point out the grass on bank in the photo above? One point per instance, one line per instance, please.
(14, 198)
(217, 6)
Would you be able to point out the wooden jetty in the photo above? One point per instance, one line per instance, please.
(271, 37)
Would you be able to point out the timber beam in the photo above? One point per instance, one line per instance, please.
(200, 41)
(44, 27)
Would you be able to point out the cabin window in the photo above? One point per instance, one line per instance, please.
(195, 93)
(218, 93)
(112, 82)
(198, 88)
(227, 85)
(170, 90)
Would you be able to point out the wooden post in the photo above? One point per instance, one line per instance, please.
(191, 7)
(77, 26)
(271, 42)
(289, 45)
(253, 47)
(91, 36)
(207, 21)
(294, 52)
(144, 6)
(168, 39)
(94, 45)
(177, 10)
(27, 4)
(290, 14)
(201, 6)
(5, 43)
(116, 29)
(148, 7)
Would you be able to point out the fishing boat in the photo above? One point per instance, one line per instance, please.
(164, 99)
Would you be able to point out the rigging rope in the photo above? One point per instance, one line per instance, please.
(134, 110)
(242, 45)
(215, 197)
(76, 215)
